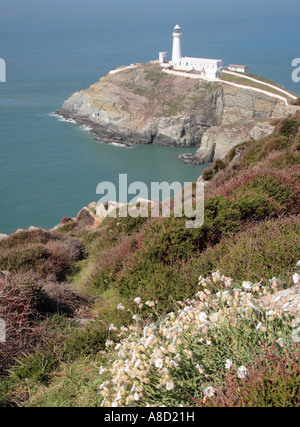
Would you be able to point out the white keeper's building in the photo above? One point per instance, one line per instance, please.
(208, 68)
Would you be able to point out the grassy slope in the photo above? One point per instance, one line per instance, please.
(239, 79)
(250, 232)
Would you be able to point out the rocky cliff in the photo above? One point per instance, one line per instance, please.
(145, 105)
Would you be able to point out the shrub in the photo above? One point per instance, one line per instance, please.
(273, 380)
(296, 102)
(289, 127)
(67, 228)
(260, 252)
(88, 341)
(66, 220)
(19, 300)
(53, 258)
(25, 259)
(24, 238)
(207, 174)
(59, 298)
(108, 264)
(218, 165)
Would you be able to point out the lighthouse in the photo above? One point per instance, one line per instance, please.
(176, 55)
(203, 68)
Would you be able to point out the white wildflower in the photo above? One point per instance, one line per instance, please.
(296, 278)
(138, 300)
(159, 363)
(242, 372)
(153, 327)
(119, 397)
(169, 385)
(228, 364)
(136, 396)
(200, 368)
(296, 335)
(285, 306)
(102, 370)
(202, 317)
(270, 313)
(209, 391)
(150, 303)
(258, 327)
(137, 363)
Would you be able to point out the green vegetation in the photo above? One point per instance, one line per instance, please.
(67, 294)
(154, 74)
(265, 80)
(172, 109)
(239, 79)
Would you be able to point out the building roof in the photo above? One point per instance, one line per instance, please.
(204, 60)
(237, 66)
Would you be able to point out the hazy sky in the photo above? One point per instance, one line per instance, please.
(159, 9)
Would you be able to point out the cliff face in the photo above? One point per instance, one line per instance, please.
(145, 105)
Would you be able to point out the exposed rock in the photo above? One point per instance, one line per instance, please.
(145, 105)
(261, 131)
(289, 298)
(218, 140)
(101, 211)
(32, 228)
(93, 205)
(3, 236)
(86, 217)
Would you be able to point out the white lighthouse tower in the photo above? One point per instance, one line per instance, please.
(176, 55)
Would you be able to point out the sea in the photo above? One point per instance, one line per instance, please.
(50, 168)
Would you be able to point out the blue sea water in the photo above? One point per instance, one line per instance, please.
(50, 168)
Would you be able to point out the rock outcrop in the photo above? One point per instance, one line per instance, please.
(145, 105)
(218, 140)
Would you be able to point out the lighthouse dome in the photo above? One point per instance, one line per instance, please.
(177, 29)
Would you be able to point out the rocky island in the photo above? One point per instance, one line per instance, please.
(144, 104)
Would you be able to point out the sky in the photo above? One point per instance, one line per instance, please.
(161, 9)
